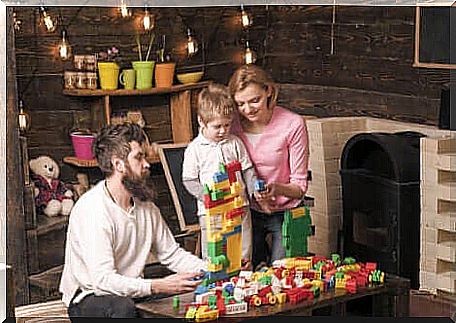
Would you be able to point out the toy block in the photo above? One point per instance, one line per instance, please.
(236, 308)
(260, 185)
(220, 177)
(295, 231)
(221, 185)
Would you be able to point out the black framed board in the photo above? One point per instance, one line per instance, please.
(435, 37)
(172, 157)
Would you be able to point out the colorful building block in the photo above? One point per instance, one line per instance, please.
(296, 229)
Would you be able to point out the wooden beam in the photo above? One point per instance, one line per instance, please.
(15, 238)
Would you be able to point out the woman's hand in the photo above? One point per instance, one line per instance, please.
(175, 284)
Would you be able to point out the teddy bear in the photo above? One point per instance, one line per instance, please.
(51, 195)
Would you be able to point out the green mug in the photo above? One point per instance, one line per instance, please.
(127, 79)
(144, 74)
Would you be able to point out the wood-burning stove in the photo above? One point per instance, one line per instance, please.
(381, 201)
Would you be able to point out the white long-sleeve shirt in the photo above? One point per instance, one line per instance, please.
(107, 247)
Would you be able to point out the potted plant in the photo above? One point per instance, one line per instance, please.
(108, 68)
(143, 67)
(164, 69)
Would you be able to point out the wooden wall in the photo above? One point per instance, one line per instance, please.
(369, 71)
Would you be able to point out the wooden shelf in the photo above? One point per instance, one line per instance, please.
(123, 92)
(93, 163)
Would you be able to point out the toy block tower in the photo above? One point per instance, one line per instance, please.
(224, 210)
(296, 228)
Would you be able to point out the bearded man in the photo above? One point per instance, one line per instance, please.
(112, 230)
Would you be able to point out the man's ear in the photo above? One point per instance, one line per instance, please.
(118, 164)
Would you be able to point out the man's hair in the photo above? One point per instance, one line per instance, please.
(114, 140)
(215, 101)
(253, 74)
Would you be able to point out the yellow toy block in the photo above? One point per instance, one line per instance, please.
(298, 212)
(281, 298)
(340, 283)
(220, 186)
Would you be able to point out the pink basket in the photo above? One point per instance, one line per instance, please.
(82, 145)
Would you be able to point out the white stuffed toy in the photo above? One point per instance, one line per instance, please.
(52, 197)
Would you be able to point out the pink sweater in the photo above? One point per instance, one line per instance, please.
(282, 152)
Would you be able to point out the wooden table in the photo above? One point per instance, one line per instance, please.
(390, 299)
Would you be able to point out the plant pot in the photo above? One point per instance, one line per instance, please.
(164, 74)
(82, 145)
(144, 74)
(109, 75)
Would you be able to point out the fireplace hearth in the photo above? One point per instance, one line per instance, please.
(380, 175)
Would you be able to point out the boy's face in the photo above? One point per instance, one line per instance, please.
(216, 129)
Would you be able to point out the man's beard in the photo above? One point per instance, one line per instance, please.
(140, 187)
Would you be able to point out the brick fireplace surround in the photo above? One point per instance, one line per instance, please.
(328, 136)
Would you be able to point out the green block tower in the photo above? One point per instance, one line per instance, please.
(296, 228)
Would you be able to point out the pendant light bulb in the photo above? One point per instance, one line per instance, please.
(124, 11)
(249, 55)
(24, 119)
(48, 21)
(64, 47)
(148, 20)
(192, 44)
(246, 20)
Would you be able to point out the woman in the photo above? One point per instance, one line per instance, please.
(277, 142)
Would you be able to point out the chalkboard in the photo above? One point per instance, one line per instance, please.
(172, 157)
(435, 36)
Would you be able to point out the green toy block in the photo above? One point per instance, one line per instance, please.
(295, 232)
(176, 301)
(222, 168)
(349, 261)
(335, 257)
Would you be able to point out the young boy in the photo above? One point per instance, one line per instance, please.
(215, 145)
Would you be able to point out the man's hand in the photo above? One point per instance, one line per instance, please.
(175, 284)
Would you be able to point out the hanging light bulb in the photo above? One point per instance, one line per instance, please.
(16, 22)
(48, 21)
(24, 119)
(249, 55)
(192, 44)
(124, 11)
(148, 20)
(64, 47)
(246, 20)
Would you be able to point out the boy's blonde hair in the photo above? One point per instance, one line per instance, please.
(215, 101)
(253, 74)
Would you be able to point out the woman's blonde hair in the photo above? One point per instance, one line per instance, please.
(252, 74)
(215, 101)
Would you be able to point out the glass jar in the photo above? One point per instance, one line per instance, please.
(79, 62)
(91, 80)
(69, 80)
(90, 63)
(81, 80)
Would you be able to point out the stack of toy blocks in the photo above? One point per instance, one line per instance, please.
(438, 214)
(296, 228)
(224, 211)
